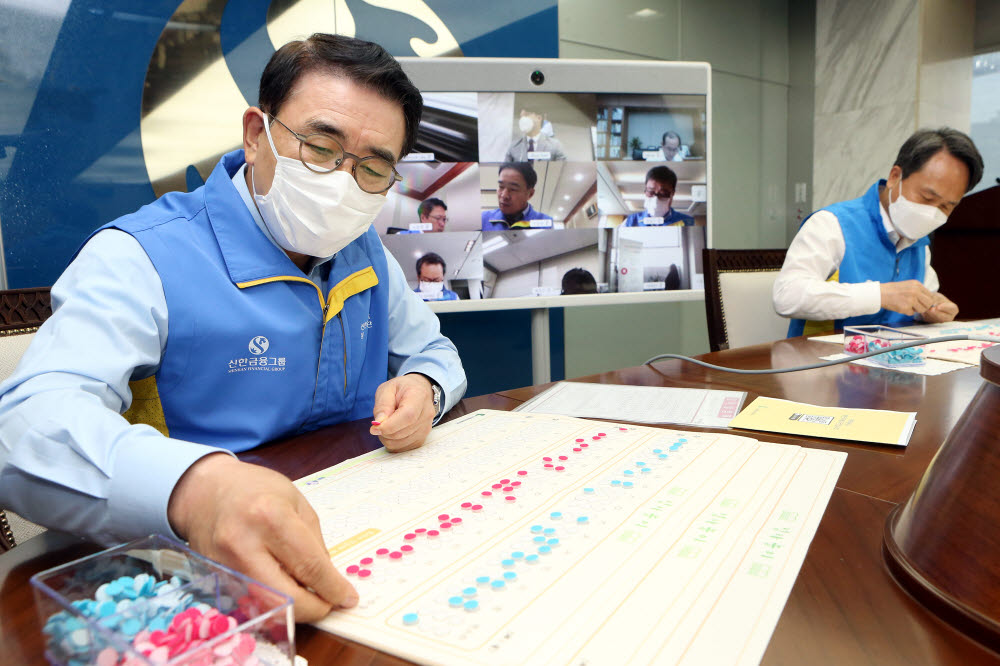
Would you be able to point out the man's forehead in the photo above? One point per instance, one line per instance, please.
(658, 184)
(513, 175)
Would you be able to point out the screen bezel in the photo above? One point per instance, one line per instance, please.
(570, 76)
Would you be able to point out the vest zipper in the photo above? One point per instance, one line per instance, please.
(897, 264)
(344, 336)
(319, 360)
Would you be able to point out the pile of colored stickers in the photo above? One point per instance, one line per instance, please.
(159, 619)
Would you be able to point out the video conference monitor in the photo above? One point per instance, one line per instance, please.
(535, 180)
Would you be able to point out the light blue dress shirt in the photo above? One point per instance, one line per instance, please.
(69, 460)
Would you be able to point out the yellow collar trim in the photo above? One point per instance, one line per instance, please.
(353, 284)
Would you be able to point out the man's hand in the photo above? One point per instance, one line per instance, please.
(404, 410)
(254, 520)
(941, 310)
(909, 297)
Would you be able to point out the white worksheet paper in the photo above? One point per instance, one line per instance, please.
(691, 563)
(639, 404)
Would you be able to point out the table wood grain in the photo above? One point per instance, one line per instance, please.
(845, 608)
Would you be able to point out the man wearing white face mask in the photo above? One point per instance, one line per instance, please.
(867, 261)
(533, 144)
(661, 183)
(259, 306)
(430, 279)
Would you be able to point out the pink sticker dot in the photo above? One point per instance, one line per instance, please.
(365, 561)
(395, 555)
(522, 472)
(601, 434)
(507, 489)
(548, 465)
(560, 468)
(353, 569)
(420, 530)
(364, 573)
(406, 549)
(466, 505)
(432, 533)
(487, 493)
(563, 458)
(456, 521)
(595, 437)
(382, 551)
(516, 484)
(477, 507)
(510, 498)
(445, 526)
(577, 450)
(410, 537)
(443, 516)
(547, 459)
(505, 481)
(583, 446)
(579, 439)
(623, 429)
(497, 486)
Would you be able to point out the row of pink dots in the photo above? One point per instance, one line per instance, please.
(505, 487)
(446, 523)
(558, 463)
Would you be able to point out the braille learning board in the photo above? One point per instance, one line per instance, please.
(513, 538)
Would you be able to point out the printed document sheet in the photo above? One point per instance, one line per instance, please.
(798, 418)
(536, 539)
(639, 404)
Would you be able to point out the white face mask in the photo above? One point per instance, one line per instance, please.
(525, 124)
(314, 214)
(431, 290)
(657, 207)
(912, 220)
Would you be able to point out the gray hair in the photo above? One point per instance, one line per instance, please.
(926, 143)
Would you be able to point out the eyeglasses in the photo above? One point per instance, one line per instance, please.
(658, 195)
(321, 153)
(438, 218)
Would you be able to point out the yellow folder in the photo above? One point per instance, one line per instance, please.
(798, 418)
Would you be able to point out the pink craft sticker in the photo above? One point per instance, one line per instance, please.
(382, 551)
(477, 507)
(432, 533)
(516, 484)
(547, 459)
(510, 498)
(395, 555)
(560, 468)
(466, 505)
(420, 530)
(364, 573)
(353, 569)
(456, 521)
(522, 472)
(507, 489)
(365, 561)
(410, 537)
(406, 549)
(487, 493)
(443, 516)
(505, 481)
(445, 526)
(577, 450)
(563, 458)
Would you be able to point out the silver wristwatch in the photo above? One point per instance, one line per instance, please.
(438, 405)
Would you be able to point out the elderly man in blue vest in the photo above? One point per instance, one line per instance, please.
(867, 261)
(261, 305)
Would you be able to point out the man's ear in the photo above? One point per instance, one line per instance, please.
(253, 129)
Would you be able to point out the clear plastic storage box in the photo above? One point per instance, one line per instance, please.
(155, 601)
(862, 339)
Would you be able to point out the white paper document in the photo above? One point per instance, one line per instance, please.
(639, 404)
(540, 540)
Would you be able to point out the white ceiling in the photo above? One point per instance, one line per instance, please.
(532, 245)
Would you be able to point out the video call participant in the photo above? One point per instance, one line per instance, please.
(430, 276)
(578, 281)
(670, 147)
(433, 211)
(867, 261)
(193, 328)
(515, 187)
(661, 183)
(533, 140)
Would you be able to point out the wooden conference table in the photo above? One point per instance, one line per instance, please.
(844, 608)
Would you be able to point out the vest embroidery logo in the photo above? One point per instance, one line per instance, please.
(258, 362)
(259, 345)
(365, 326)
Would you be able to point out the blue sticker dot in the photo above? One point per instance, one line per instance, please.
(455, 602)
(544, 550)
(482, 580)
(471, 605)
(539, 539)
(531, 559)
(627, 484)
(509, 575)
(536, 528)
(616, 482)
(553, 542)
(581, 519)
(469, 592)
(517, 555)
(682, 440)
(588, 490)
(410, 618)
(640, 464)
(657, 450)
(647, 469)
(629, 472)
(550, 530)
(555, 515)
(507, 563)
(498, 584)
(663, 456)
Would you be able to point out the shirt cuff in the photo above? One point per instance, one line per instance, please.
(140, 494)
(868, 297)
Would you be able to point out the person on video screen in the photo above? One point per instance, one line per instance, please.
(515, 186)
(433, 211)
(430, 276)
(670, 147)
(578, 281)
(661, 183)
(534, 139)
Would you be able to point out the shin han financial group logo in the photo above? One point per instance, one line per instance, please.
(258, 360)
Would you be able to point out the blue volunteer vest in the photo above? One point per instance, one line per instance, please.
(255, 351)
(870, 255)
